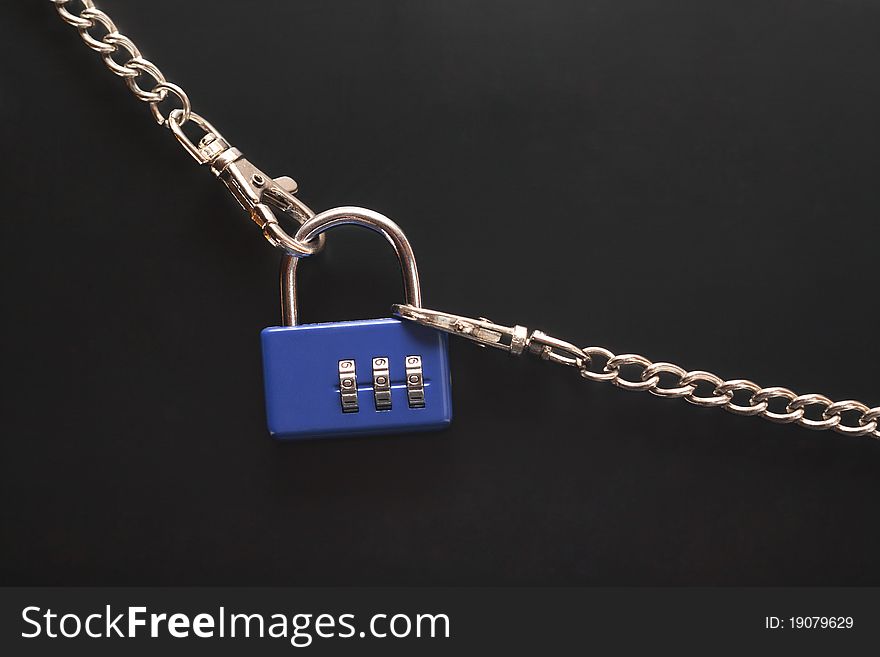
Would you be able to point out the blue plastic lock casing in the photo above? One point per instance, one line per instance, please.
(301, 371)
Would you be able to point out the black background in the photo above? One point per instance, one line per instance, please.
(694, 181)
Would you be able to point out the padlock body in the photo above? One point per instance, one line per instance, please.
(307, 368)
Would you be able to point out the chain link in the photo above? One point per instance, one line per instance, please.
(848, 417)
(156, 88)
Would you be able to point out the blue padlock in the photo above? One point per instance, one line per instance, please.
(374, 376)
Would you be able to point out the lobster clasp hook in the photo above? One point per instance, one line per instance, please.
(256, 192)
(512, 339)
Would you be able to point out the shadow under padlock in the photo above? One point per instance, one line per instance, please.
(369, 376)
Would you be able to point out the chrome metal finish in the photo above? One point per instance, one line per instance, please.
(348, 390)
(697, 387)
(258, 194)
(382, 383)
(349, 216)
(415, 382)
(112, 41)
(184, 113)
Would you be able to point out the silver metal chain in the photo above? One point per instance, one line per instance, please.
(256, 192)
(848, 417)
(739, 396)
(259, 194)
(111, 42)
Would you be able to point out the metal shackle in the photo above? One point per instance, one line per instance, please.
(348, 216)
